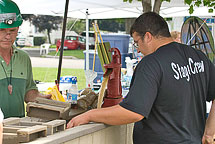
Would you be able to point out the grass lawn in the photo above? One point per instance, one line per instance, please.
(76, 53)
(50, 75)
(52, 46)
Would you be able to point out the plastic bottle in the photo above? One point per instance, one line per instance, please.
(72, 94)
(130, 65)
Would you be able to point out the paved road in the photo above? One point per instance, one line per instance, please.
(33, 52)
(38, 61)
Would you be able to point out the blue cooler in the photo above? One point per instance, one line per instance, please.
(120, 41)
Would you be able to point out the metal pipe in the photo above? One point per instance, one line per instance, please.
(62, 43)
(87, 40)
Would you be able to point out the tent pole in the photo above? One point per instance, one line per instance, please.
(62, 44)
(87, 40)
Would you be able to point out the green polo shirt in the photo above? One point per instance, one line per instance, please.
(12, 105)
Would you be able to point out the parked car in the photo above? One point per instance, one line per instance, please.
(20, 40)
(72, 43)
(91, 38)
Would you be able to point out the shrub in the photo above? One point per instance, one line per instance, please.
(39, 40)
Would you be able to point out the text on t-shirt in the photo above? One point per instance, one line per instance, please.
(186, 70)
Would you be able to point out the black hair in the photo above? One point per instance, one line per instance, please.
(150, 22)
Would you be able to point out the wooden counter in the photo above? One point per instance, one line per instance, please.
(93, 133)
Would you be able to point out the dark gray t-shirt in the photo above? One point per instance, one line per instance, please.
(170, 88)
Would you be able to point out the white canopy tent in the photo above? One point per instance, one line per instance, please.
(99, 9)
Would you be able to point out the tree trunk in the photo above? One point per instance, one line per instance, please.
(128, 23)
(49, 38)
(157, 6)
(147, 5)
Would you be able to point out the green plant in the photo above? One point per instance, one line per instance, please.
(78, 27)
(53, 46)
(39, 40)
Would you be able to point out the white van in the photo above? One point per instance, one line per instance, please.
(91, 38)
(20, 42)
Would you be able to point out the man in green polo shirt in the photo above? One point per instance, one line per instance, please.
(16, 78)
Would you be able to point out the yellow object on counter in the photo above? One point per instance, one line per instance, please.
(56, 95)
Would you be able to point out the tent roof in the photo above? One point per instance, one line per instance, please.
(100, 9)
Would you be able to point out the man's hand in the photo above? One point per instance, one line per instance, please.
(115, 115)
(48, 96)
(207, 139)
(1, 132)
(31, 95)
(79, 120)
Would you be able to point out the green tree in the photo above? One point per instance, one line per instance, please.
(29, 17)
(48, 23)
(208, 3)
(78, 26)
(112, 25)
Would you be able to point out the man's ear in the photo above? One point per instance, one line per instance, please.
(148, 37)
